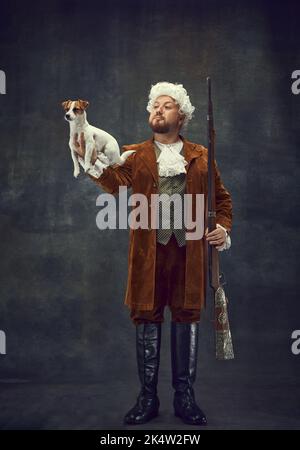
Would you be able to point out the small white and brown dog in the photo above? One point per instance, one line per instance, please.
(106, 146)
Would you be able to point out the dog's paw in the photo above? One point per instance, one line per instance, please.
(76, 173)
(103, 158)
(87, 168)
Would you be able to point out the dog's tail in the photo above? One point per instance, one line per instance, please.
(125, 155)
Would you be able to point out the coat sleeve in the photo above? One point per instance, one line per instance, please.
(223, 203)
(115, 176)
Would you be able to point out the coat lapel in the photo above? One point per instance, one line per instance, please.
(148, 155)
(191, 151)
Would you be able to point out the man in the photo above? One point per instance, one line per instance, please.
(165, 268)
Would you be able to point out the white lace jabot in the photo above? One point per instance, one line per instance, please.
(170, 161)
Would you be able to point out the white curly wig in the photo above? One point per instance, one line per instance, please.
(178, 93)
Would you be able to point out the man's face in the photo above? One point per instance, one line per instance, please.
(165, 115)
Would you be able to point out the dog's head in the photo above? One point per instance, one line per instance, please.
(74, 108)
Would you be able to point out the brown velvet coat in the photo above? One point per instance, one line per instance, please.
(141, 173)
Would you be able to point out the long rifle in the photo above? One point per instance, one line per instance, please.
(223, 341)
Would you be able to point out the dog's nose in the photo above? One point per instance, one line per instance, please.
(67, 116)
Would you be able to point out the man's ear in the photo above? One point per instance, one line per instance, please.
(181, 119)
(66, 104)
(83, 104)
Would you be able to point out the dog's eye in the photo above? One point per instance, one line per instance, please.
(75, 109)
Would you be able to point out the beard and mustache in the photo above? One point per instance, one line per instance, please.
(159, 126)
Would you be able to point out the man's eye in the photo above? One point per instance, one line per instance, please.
(166, 107)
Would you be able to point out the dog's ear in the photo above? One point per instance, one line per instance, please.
(83, 104)
(66, 104)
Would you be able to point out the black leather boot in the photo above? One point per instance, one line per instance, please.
(184, 349)
(148, 340)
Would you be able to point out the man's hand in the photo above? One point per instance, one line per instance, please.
(216, 237)
(80, 147)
